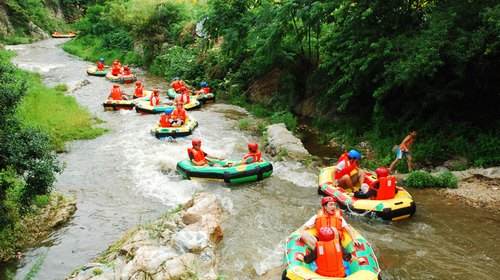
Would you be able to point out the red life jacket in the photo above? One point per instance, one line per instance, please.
(139, 91)
(179, 114)
(154, 100)
(197, 155)
(116, 94)
(206, 90)
(348, 168)
(257, 157)
(177, 85)
(185, 98)
(329, 257)
(100, 66)
(326, 220)
(116, 70)
(387, 188)
(127, 72)
(164, 120)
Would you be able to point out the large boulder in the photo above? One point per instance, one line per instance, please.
(282, 142)
(180, 245)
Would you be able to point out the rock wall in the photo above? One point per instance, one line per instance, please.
(180, 245)
(281, 141)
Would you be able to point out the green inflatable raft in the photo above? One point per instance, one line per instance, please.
(230, 174)
(92, 71)
(174, 132)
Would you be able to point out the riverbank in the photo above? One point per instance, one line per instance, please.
(48, 214)
(36, 121)
(479, 188)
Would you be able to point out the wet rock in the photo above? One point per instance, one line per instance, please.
(282, 141)
(440, 169)
(456, 163)
(192, 241)
(177, 246)
(36, 31)
(78, 85)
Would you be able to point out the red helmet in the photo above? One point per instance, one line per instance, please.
(382, 172)
(196, 141)
(326, 234)
(327, 199)
(116, 86)
(253, 147)
(138, 83)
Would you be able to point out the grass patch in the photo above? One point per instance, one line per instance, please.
(423, 179)
(55, 113)
(92, 48)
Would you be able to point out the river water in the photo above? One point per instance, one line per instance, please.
(126, 178)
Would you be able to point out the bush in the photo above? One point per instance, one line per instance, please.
(285, 117)
(423, 179)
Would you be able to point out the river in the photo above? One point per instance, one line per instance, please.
(127, 177)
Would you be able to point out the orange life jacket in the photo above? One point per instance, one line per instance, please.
(256, 156)
(116, 94)
(139, 91)
(348, 168)
(329, 257)
(179, 114)
(198, 155)
(326, 220)
(154, 100)
(100, 66)
(387, 188)
(206, 90)
(164, 120)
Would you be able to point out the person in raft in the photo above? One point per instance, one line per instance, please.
(116, 93)
(204, 89)
(347, 173)
(384, 187)
(139, 90)
(185, 95)
(127, 71)
(154, 100)
(100, 64)
(116, 68)
(177, 84)
(328, 254)
(178, 116)
(253, 155)
(197, 155)
(403, 150)
(329, 215)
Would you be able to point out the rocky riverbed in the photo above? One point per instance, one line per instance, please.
(179, 245)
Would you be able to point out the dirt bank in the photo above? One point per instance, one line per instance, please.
(478, 187)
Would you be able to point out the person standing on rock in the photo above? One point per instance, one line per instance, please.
(403, 150)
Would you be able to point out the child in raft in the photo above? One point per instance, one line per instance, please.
(116, 93)
(139, 90)
(253, 155)
(198, 156)
(116, 68)
(176, 118)
(204, 89)
(100, 64)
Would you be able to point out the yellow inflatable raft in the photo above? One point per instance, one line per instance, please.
(399, 207)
